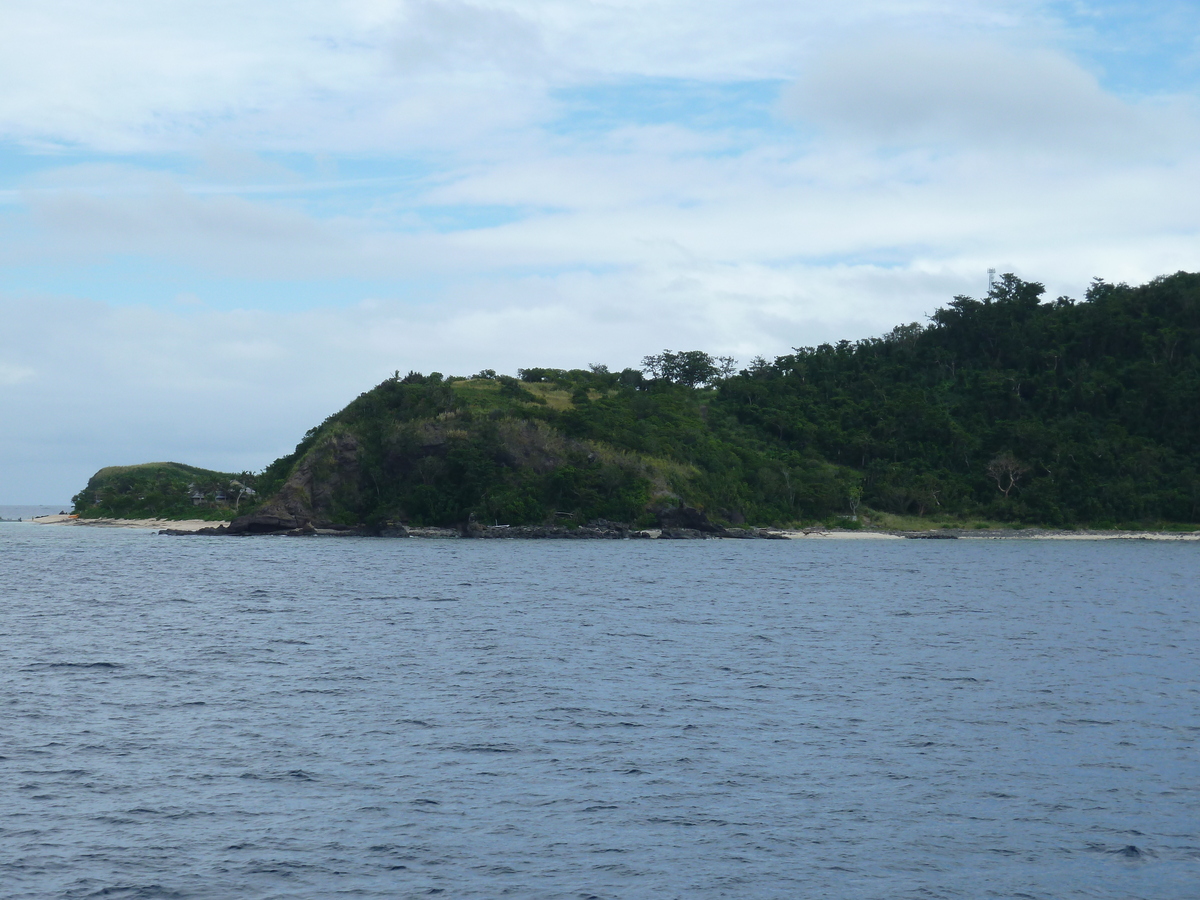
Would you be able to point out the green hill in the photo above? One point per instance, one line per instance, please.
(164, 490)
(1005, 408)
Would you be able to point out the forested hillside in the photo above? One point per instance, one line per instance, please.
(1006, 408)
(1061, 412)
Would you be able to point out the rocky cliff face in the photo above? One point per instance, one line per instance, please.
(323, 483)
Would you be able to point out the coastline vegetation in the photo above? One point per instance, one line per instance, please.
(164, 490)
(1003, 411)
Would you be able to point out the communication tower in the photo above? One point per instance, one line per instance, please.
(991, 279)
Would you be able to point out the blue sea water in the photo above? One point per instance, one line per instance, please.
(312, 718)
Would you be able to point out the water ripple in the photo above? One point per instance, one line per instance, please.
(374, 718)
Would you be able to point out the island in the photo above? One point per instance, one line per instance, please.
(1002, 412)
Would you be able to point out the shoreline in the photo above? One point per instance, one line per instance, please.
(1023, 534)
(191, 526)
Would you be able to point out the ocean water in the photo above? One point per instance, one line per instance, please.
(16, 513)
(309, 718)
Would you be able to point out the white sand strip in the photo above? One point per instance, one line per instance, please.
(841, 535)
(177, 524)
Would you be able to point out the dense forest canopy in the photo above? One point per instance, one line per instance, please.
(1057, 413)
(1007, 408)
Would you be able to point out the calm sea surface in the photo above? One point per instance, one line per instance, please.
(308, 718)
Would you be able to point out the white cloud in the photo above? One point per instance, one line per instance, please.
(581, 207)
(374, 75)
(126, 75)
(454, 36)
(228, 233)
(914, 91)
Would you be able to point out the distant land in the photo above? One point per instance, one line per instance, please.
(1001, 411)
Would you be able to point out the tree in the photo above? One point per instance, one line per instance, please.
(1006, 470)
(690, 368)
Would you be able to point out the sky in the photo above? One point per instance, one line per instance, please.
(220, 222)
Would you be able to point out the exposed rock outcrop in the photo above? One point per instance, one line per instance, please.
(683, 534)
(754, 533)
(263, 523)
(686, 518)
(324, 480)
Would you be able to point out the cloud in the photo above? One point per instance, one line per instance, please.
(89, 212)
(453, 36)
(378, 76)
(912, 91)
(590, 206)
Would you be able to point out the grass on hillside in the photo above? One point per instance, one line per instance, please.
(486, 393)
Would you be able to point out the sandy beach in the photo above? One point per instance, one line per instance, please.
(817, 534)
(178, 525)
